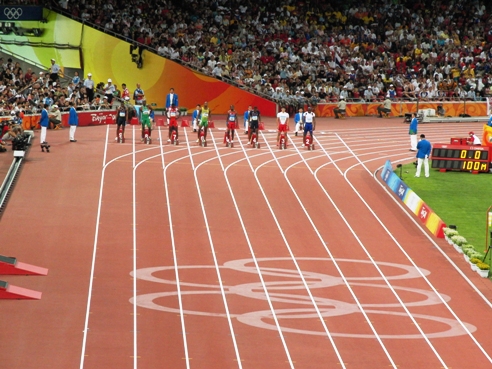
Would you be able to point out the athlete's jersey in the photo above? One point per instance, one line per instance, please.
(173, 113)
(254, 116)
(231, 116)
(308, 117)
(121, 113)
(205, 114)
(145, 117)
(282, 117)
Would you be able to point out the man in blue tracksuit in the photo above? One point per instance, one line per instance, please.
(298, 121)
(73, 121)
(246, 119)
(195, 118)
(424, 148)
(412, 131)
(44, 122)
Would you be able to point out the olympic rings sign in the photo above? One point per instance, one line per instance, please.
(13, 13)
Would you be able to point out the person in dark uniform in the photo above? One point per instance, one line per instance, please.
(121, 119)
(254, 122)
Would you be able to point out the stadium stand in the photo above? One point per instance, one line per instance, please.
(293, 52)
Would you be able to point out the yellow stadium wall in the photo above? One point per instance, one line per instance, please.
(109, 57)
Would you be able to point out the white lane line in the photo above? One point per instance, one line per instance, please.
(410, 260)
(94, 250)
(334, 262)
(134, 251)
(248, 241)
(400, 301)
(96, 240)
(173, 244)
(212, 247)
(369, 255)
(342, 275)
(289, 249)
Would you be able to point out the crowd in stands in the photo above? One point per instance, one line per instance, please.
(313, 50)
(303, 51)
(26, 92)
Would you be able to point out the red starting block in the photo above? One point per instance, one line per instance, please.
(254, 141)
(121, 136)
(134, 121)
(282, 142)
(159, 122)
(308, 142)
(185, 123)
(261, 126)
(227, 140)
(147, 139)
(211, 124)
(174, 140)
(202, 141)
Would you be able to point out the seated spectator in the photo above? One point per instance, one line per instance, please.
(13, 131)
(55, 118)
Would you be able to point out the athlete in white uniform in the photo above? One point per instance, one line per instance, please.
(283, 122)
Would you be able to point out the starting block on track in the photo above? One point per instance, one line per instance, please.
(211, 124)
(121, 136)
(134, 121)
(10, 266)
(282, 142)
(254, 141)
(261, 126)
(202, 141)
(185, 123)
(227, 141)
(308, 142)
(159, 122)
(174, 140)
(8, 291)
(147, 139)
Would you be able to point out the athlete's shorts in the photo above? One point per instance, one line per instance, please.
(282, 127)
(203, 123)
(253, 125)
(173, 122)
(231, 125)
(121, 122)
(308, 127)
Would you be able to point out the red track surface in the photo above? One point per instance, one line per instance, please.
(264, 258)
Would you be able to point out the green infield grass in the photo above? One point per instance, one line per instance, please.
(459, 198)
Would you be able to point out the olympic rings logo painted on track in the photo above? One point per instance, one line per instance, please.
(13, 13)
(302, 306)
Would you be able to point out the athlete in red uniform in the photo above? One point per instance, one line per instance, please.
(231, 124)
(173, 115)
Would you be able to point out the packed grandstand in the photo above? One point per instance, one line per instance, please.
(303, 51)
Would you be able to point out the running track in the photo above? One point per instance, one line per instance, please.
(165, 256)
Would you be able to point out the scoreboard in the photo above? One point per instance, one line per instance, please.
(458, 157)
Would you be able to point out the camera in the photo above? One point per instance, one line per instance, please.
(21, 142)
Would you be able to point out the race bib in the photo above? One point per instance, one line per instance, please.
(122, 114)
